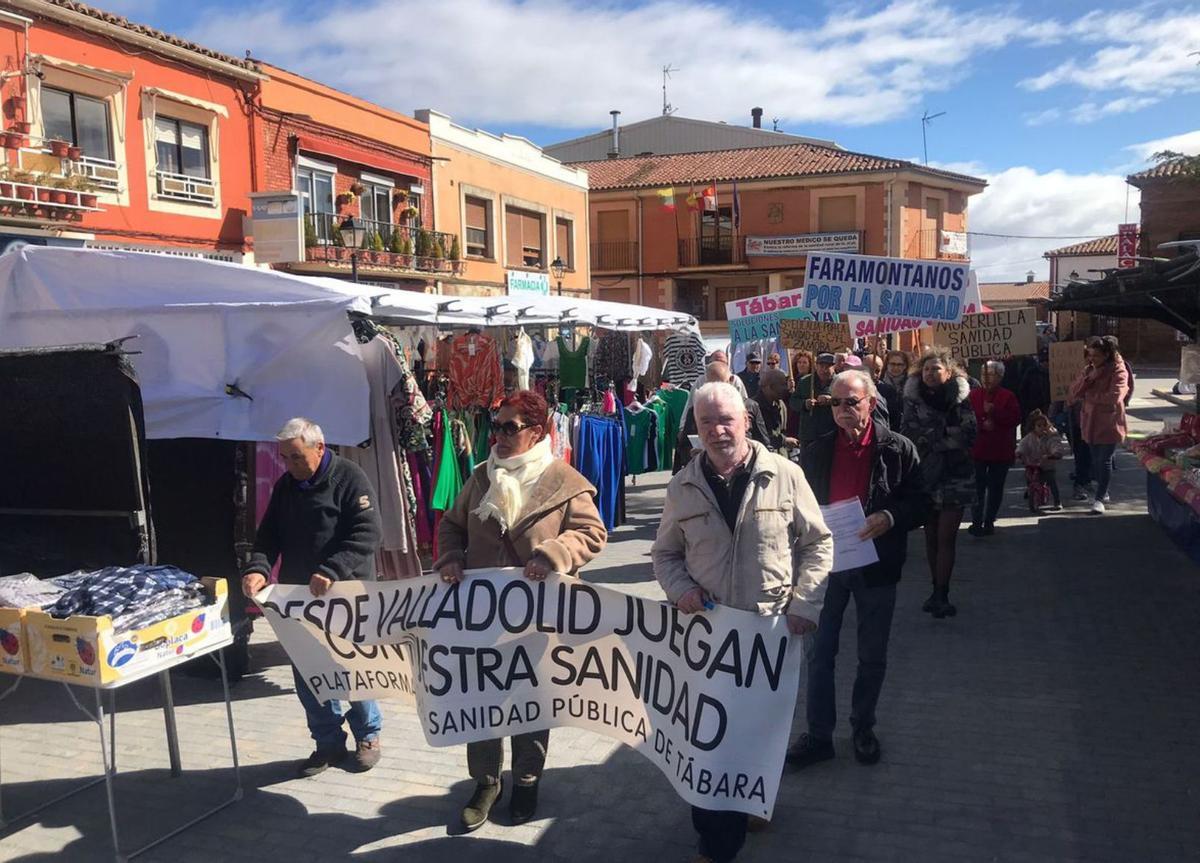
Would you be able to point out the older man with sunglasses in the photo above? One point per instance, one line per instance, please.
(862, 458)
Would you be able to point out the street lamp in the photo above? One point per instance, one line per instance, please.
(558, 268)
(354, 234)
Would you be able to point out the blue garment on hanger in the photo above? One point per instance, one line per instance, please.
(601, 459)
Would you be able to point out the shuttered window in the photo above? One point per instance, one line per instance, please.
(479, 237)
(523, 231)
(564, 244)
(837, 214)
(612, 226)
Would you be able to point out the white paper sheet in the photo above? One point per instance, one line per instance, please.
(845, 519)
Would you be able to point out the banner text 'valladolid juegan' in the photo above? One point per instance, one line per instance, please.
(708, 698)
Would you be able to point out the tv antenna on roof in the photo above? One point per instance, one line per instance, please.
(668, 108)
(926, 119)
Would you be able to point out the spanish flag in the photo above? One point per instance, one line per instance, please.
(667, 198)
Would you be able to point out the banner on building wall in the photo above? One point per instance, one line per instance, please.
(708, 698)
(277, 227)
(1066, 362)
(799, 245)
(523, 282)
(1127, 241)
(863, 328)
(954, 243)
(815, 336)
(987, 336)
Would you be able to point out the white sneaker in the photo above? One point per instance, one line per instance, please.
(1097, 508)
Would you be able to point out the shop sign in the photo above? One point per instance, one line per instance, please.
(277, 227)
(799, 245)
(988, 336)
(524, 282)
(1127, 238)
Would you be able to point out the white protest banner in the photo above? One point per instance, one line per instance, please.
(866, 327)
(874, 287)
(708, 698)
(799, 245)
(988, 336)
(1066, 362)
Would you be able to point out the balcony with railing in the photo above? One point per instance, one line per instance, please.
(618, 257)
(101, 173)
(328, 239)
(184, 187)
(724, 250)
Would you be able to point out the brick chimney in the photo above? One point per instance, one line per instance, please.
(756, 115)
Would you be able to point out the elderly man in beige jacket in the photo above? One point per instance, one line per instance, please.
(742, 528)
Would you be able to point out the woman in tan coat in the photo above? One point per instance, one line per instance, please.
(521, 508)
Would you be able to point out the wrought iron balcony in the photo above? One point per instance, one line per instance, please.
(620, 256)
(401, 247)
(712, 251)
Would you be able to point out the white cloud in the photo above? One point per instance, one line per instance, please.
(1041, 118)
(1142, 51)
(1187, 143)
(566, 64)
(1023, 202)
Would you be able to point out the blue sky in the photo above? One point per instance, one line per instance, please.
(1052, 102)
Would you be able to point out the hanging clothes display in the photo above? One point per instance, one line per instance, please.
(381, 460)
(611, 361)
(676, 401)
(476, 376)
(683, 358)
(522, 358)
(572, 364)
(641, 428)
(545, 352)
(449, 479)
(601, 458)
(642, 355)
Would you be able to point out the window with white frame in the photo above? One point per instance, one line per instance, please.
(377, 203)
(183, 167)
(315, 187)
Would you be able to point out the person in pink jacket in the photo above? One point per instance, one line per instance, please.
(997, 414)
(1100, 389)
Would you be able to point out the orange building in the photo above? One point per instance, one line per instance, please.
(655, 241)
(363, 174)
(120, 136)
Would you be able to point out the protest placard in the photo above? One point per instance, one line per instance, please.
(987, 336)
(863, 328)
(814, 336)
(873, 287)
(708, 698)
(1066, 362)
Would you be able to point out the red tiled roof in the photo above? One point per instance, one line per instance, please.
(754, 163)
(1102, 246)
(1009, 292)
(150, 32)
(1175, 169)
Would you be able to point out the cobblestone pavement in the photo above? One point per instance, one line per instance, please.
(1051, 720)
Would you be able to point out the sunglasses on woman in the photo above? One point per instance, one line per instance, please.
(851, 401)
(510, 428)
(772, 364)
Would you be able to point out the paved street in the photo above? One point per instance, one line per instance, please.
(1051, 720)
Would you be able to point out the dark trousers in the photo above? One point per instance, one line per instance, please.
(989, 490)
(874, 607)
(722, 834)
(1102, 464)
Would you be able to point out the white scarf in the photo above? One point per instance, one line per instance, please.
(510, 481)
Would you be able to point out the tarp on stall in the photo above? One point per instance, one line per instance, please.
(400, 307)
(221, 350)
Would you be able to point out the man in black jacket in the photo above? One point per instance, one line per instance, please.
(861, 458)
(322, 520)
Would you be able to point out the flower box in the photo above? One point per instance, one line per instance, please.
(59, 149)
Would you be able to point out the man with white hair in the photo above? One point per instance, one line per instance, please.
(862, 458)
(323, 522)
(728, 515)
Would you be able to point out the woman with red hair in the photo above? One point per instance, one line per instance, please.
(525, 508)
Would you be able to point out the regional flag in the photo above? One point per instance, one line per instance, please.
(667, 198)
(693, 201)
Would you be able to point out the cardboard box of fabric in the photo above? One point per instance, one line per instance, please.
(83, 649)
(14, 650)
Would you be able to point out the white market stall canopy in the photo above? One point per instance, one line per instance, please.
(221, 350)
(397, 307)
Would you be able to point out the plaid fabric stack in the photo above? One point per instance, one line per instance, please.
(115, 589)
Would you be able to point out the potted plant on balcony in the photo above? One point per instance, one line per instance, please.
(21, 127)
(61, 192)
(400, 196)
(375, 245)
(6, 186)
(14, 140)
(16, 102)
(410, 213)
(423, 251)
(356, 189)
(58, 148)
(23, 185)
(310, 232)
(406, 252)
(45, 194)
(85, 188)
(74, 152)
(438, 254)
